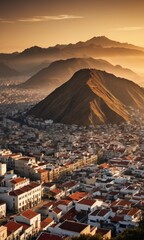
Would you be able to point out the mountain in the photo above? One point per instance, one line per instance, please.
(106, 42)
(97, 43)
(91, 97)
(28, 61)
(6, 71)
(60, 71)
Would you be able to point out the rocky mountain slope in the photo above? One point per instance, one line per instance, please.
(91, 97)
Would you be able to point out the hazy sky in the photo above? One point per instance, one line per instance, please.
(25, 23)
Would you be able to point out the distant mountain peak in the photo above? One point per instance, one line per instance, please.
(60, 71)
(32, 50)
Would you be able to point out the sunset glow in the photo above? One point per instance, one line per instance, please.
(46, 23)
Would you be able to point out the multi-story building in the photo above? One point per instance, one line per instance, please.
(30, 218)
(28, 167)
(3, 233)
(23, 198)
(2, 209)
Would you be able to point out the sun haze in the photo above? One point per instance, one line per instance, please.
(46, 23)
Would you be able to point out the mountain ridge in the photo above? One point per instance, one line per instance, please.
(91, 97)
(7, 71)
(60, 71)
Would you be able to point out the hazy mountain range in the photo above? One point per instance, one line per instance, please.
(33, 59)
(60, 71)
(91, 97)
(6, 71)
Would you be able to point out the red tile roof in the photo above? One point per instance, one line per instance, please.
(121, 203)
(73, 226)
(78, 195)
(56, 191)
(69, 184)
(69, 215)
(88, 202)
(41, 170)
(24, 225)
(46, 222)
(29, 214)
(133, 211)
(57, 210)
(47, 205)
(18, 180)
(24, 189)
(100, 213)
(63, 202)
(117, 219)
(12, 226)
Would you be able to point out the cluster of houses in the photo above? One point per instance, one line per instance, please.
(59, 181)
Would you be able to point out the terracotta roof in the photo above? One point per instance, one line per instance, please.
(100, 213)
(69, 215)
(56, 191)
(42, 170)
(73, 226)
(29, 214)
(88, 202)
(24, 225)
(48, 236)
(18, 180)
(46, 222)
(48, 184)
(121, 203)
(12, 226)
(78, 195)
(63, 202)
(47, 205)
(24, 189)
(16, 192)
(57, 210)
(133, 211)
(117, 219)
(69, 184)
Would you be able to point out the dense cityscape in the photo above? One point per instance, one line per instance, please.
(71, 120)
(65, 180)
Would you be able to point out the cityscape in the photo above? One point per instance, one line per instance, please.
(71, 121)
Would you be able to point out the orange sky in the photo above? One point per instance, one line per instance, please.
(25, 23)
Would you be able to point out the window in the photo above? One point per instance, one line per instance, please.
(122, 226)
(92, 221)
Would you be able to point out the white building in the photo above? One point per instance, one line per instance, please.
(14, 230)
(23, 198)
(3, 169)
(31, 218)
(98, 217)
(86, 204)
(70, 228)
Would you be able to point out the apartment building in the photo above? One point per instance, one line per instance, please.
(23, 198)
